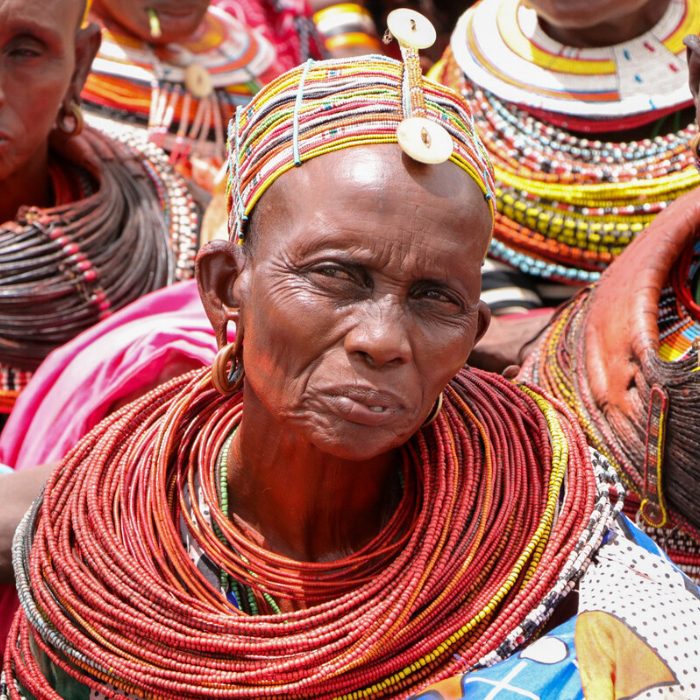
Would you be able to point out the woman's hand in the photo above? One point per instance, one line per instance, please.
(18, 490)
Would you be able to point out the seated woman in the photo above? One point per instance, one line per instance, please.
(582, 107)
(181, 69)
(91, 223)
(336, 507)
(631, 376)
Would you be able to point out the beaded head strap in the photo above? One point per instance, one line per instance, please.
(422, 139)
(324, 106)
(84, 22)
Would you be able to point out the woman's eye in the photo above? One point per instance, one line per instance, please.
(436, 295)
(332, 271)
(24, 53)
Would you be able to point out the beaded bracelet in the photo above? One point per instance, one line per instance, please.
(347, 25)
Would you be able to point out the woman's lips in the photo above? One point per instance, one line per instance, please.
(365, 406)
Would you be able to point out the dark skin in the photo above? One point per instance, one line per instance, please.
(178, 19)
(358, 297)
(591, 23)
(44, 60)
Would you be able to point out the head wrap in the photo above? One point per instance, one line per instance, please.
(325, 106)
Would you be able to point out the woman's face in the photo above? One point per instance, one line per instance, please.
(359, 296)
(178, 19)
(37, 65)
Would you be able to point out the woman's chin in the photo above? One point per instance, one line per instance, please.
(357, 442)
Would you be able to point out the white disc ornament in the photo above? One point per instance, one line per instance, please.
(198, 81)
(411, 29)
(424, 140)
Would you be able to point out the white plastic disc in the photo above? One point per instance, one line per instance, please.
(198, 81)
(411, 28)
(424, 140)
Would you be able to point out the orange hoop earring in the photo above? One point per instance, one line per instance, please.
(229, 381)
(73, 113)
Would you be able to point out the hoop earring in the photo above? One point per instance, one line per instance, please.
(432, 416)
(73, 113)
(229, 381)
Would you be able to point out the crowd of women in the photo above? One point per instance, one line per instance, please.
(324, 378)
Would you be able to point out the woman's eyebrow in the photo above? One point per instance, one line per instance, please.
(36, 30)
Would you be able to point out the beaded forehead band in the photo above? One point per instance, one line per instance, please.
(326, 106)
(86, 13)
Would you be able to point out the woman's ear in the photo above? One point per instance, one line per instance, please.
(218, 267)
(484, 320)
(87, 44)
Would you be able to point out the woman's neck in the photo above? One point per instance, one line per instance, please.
(615, 31)
(306, 504)
(29, 186)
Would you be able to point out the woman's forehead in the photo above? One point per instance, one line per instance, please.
(367, 195)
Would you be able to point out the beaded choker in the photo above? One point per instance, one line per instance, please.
(482, 546)
(500, 45)
(64, 268)
(190, 88)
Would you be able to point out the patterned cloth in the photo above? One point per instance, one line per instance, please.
(636, 635)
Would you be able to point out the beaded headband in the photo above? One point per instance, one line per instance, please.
(85, 20)
(326, 106)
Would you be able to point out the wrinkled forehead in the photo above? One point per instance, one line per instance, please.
(365, 194)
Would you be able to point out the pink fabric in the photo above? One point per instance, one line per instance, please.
(154, 339)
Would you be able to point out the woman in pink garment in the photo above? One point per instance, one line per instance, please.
(159, 337)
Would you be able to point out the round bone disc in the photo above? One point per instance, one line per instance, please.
(424, 141)
(411, 28)
(198, 81)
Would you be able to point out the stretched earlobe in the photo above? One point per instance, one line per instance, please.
(483, 322)
(87, 44)
(217, 268)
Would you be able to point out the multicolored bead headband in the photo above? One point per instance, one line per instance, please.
(85, 20)
(325, 106)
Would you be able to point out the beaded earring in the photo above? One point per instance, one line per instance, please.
(229, 381)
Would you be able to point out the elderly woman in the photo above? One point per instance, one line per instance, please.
(337, 507)
(583, 109)
(180, 69)
(90, 223)
(631, 376)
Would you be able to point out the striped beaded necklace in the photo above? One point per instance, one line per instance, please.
(480, 550)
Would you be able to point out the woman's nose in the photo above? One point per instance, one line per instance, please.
(380, 335)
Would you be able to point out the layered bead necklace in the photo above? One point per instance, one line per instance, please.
(558, 364)
(569, 204)
(483, 545)
(64, 268)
